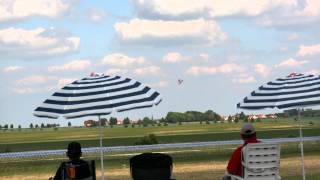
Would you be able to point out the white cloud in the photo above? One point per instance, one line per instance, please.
(313, 72)
(21, 43)
(174, 57)
(309, 50)
(160, 84)
(116, 71)
(291, 63)
(223, 69)
(293, 36)
(145, 71)
(97, 16)
(76, 65)
(36, 79)
(12, 69)
(265, 12)
(197, 31)
(121, 60)
(262, 69)
(14, 10)
(65, 81)
(23, 90)
(244, 80)
(204, 56)
(168, 9)
(29, 90)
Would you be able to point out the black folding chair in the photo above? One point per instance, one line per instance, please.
(151, 166)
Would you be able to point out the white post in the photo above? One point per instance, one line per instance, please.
(301, 146)
(101, 150)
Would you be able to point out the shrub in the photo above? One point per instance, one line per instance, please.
(147, 140)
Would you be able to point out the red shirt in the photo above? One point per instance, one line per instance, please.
(235, 165)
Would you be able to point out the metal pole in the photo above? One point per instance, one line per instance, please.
(101, 150)
(301, 146)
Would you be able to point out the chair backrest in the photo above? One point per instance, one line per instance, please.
(151, 166)
(84, 171)
(261, 161)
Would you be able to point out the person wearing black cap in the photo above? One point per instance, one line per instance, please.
(74, 153)
(248, 135)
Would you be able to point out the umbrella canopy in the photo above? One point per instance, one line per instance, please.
(293, 91)
(100, 95)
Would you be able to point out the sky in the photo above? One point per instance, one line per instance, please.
(221, 49)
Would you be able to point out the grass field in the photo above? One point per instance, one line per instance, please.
(207, 163)
(197, 163)
(29, 140)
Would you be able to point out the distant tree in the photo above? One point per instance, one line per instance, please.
(69, 124)
(31, 126)
(19, 127)
(36, 126)
(159, 124)
(113, 121)
(229, 119)
(242, 116)
(165, 124)
(162, 120)
(146, 121)
(5, 126)
(236, 119)
(0, 126)
(42, 125)
(246, 120)
(11, 126)
(132, 125)
(104, 121)
(126, 121)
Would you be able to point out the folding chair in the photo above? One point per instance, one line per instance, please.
(151, 166)
(260, 161)
(73, 171)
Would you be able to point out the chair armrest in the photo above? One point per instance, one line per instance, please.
(233, 177)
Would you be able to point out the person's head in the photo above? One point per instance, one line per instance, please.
(74, 150)
(247, 131)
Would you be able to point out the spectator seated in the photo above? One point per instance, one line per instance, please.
(260, 161)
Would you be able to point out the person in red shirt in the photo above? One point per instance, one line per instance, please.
(248, 135)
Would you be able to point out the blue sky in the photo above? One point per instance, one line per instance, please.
(222, 50)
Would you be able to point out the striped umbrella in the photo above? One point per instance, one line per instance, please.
(98, 95)
(293, 91)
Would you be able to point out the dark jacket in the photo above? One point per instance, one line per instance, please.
(82, 169)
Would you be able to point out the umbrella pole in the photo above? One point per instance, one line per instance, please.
(301, 146)
(101, 150)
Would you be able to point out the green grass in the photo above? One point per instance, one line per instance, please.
(116, 161)
(29, 140)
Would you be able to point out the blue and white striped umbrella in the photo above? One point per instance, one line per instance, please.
(293, 91)
(100, 95)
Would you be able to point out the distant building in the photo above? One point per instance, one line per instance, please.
(272, 116)
(90, 123)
